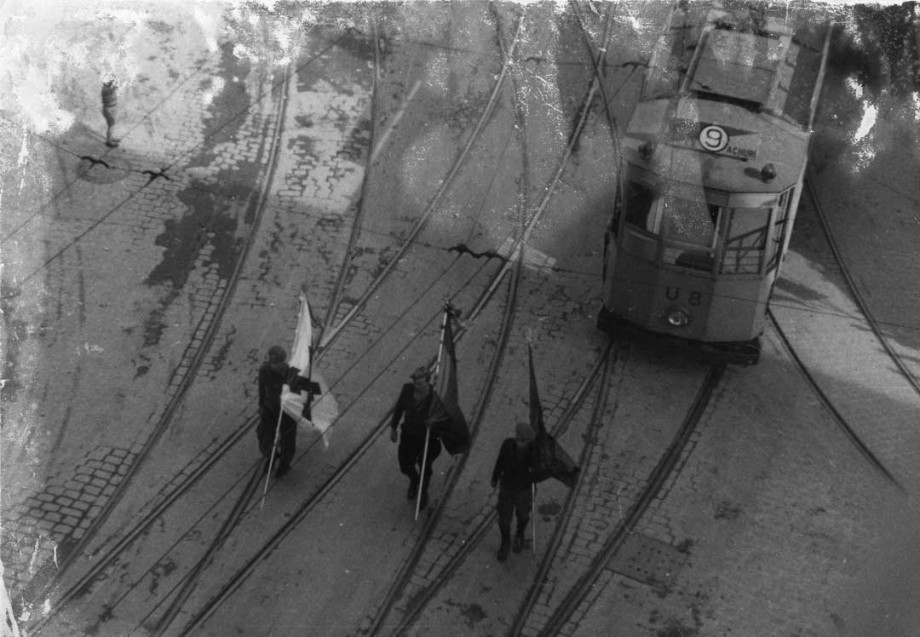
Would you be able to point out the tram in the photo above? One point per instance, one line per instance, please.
(712, 166)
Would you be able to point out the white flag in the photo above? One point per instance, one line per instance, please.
(324, 408)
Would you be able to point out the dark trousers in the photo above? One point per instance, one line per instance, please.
(287, 439)
(410, 457)
(513, 502)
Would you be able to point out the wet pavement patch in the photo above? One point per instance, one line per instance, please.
(184, 238)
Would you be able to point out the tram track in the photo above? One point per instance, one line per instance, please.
(663, 471)
(838, 417)
(566, 575)
(841, 421)
(330, 332)
(555, 540)
(405, 573)
(854, 289)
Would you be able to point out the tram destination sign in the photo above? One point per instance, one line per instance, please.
(715, 138)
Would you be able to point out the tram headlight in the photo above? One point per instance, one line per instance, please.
(678, 318)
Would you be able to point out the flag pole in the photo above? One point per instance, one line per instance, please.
(421, 477)
(271, 458)
(528, 336)
(533, 516)
(437, 368)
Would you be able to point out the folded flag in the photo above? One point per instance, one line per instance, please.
(551, 459)
(446, 419)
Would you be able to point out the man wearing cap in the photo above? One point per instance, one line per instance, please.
(415, 404)
(514, 471)
(273, 375)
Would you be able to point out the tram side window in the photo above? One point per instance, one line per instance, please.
(639, 199)
(779, 231)
(745, 240)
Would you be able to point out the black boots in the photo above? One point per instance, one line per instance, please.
(517, 546)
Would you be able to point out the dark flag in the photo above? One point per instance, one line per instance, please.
(552, 460)
(446, 420)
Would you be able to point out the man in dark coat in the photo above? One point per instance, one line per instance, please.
(273, 374)
(514, 471)
(415, 404)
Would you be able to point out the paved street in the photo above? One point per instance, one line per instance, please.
(382, 159)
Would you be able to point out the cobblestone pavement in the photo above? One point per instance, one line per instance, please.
(140, 294)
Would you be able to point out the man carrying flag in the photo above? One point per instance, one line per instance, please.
(414, 403)
(515, 472)
(431, 417)
(531, 456)
(286, 398)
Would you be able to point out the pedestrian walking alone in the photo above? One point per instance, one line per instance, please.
(110, 110)
(273, 374)
(514, 475)
(413, 407)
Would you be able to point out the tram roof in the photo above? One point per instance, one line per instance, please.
(724, 144)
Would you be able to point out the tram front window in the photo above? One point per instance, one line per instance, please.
(639, 199)
(745, 240)
(688, 227)
(689, 221)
